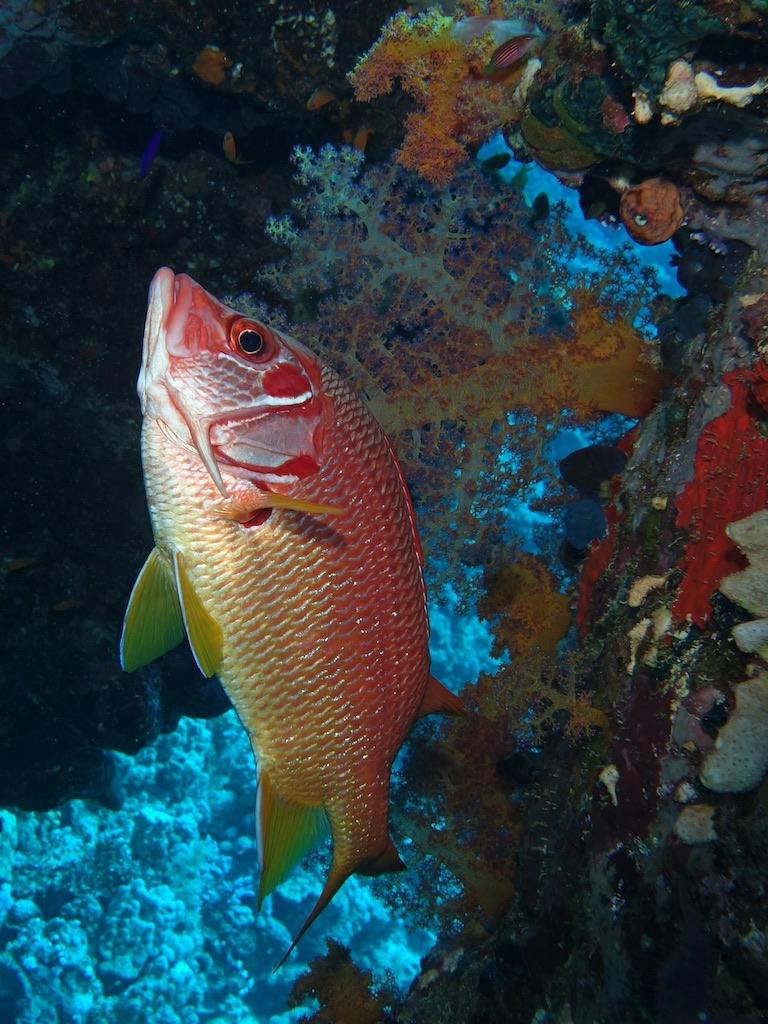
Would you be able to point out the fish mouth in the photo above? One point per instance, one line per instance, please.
(154, 356)
(168, 304)
(169, 299)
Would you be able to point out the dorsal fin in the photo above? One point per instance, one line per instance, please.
(286, 832)
(153, 623)
(439, 699)
(205, 636)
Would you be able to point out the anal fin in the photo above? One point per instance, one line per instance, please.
(205, 635)
(438, 699)
(287, 831)
(153, 623)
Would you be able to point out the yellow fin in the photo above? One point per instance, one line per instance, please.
(153, 622)
(286, 833)
(205, 636)
(438, 699)
(269, 499)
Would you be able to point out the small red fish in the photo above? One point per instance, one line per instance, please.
(510, 52)
(320, 98)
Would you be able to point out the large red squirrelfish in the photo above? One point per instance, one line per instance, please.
(286, 550)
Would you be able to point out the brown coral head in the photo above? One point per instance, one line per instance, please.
(652, 211)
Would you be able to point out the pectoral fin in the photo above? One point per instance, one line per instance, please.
(205, 636)
(241, 512)
(286, 832)
(153, 623)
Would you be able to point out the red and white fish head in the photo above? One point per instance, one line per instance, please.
(246, 397)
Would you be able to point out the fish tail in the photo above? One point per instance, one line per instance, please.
(387, 860)
(337, 876)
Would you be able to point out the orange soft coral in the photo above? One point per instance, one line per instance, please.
(460, 106)
(343, 990)
(532, 612)
(449, 311)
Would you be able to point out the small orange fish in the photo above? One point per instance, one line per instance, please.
(287, 553)
(360, 140)
(229, 147)
(320, 98)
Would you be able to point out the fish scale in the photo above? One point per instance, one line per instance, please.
(315, 619)
(262, 669)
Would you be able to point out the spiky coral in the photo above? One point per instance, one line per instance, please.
(459, 106)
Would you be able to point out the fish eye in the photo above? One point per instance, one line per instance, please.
(249, 339)
(251, 342)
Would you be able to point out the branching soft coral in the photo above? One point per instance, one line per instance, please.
(443, 72)
(527, 608)
(453, 799)
(342, 989)
(448, 311)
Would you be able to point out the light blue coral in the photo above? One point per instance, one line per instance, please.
(149, 913)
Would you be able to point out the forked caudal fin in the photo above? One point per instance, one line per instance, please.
(387, 860)
(286, 832)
